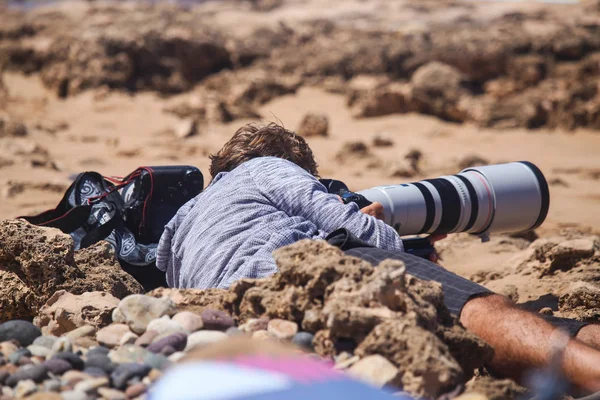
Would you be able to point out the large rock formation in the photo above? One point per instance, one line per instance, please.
(36, 262)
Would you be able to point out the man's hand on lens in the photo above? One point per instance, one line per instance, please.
(374, 210)
(434, 257)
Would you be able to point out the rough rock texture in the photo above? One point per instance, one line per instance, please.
(495, 389)
(64, 312)
(354, 307)
(36, 262)
(314, 125)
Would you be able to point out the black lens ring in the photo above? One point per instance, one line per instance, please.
(474, 202)
(429, 207)
(450, 204)
(544, 191)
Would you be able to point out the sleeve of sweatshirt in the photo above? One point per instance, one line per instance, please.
(296, 192)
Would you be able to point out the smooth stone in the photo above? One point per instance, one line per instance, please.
(154, 375)
(111, 335)
(2, 360)
(304, 340)
(128, 338)
(374, 369)
(165, 326)
(177, 341)
(234, 331)
(255, 324)
(72, 358)
(98, 350)
(39, 351)
(8, 392)
(138, 310)
(73, 376)
(125, 372)
(91, 385)
(203, 338)
(282, 329)
(100, 361)
(17, 355)
(190, 321)
(7, 348)
(262, 335)
(167, 351)
(95, 372)
(36, 373)
(25, 388)
(136, 390)
(3, 376)
(175, 357)
(216, 320)
(129, 353)
(52, 385)
(147, 338)
(157, 361)
(111, 394)
(84, 343)
(23, 332)
(82, 331)
(45, 341)
(57, 366)
(74, 395)
(25, 361)
(62, 345)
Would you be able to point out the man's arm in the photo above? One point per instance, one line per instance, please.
(296, 192)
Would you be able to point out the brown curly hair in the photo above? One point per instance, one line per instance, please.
(252, 141)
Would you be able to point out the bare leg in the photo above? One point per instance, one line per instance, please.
(590, 335)
(522, 341)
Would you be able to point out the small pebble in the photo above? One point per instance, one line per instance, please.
(7, 348)
(136, 390)
(57, 366)
(165, 326)
(261, 335)
(190, 321)
(45, 341)
(2, 360)
(73, 376)
(95, 372)
(92, 384)
(146, 338)
(23, 332)
(74, 395)
(52, 385)
(282, 329)
(3, 376)
(39, 351)
(72, 358)
(125, 372)
(25, 361)
(111, 394)
(85, 342)
(16, 356)
(203, 338)
(157, 361)
(128, 353)
(304, 340)
(8, 392)
(25, 388)
(63, 344)
(234, 331)
(177, 341)
(82, 331)
(216, 320)
(100, 361)
(36, 373)
(255, 324)
(111, 335)
(175, 357)
(98, 350)
(128, 338)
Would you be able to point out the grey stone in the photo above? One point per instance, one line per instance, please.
(23, 332)
(95, 372)
(52, 385)
(304, 340)
(203, 338)
(98, 350)
(138, 310)
(72, 358)
(57, 366)
(234, 331)
(36, 373)
(15, 357)
(125, 372)
(177, 341)
(38, 351)
(157, 361)
(3, 376)
(100, 361)
(45, 341)
(216, 320)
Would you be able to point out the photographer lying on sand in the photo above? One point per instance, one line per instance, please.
(265, 194)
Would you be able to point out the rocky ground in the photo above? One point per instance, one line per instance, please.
(384, 91)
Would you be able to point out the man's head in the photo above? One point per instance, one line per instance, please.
(252, 141)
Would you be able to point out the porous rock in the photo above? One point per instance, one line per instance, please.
(39, 261)
(64, 312)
